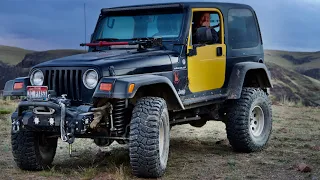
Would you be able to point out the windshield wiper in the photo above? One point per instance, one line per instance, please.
(143, 43)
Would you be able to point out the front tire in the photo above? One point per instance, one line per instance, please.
(249, 121)
(32, 150)
(149, 137)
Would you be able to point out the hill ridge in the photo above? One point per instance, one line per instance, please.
(294, 82)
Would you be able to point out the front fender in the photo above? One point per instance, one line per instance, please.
(121, 84)
(238, 75)
(8, 88)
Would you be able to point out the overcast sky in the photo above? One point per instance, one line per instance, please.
(57, 24)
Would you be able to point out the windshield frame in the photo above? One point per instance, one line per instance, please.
(102, 16)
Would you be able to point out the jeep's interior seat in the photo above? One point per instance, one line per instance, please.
(236, 37)
(166, 26)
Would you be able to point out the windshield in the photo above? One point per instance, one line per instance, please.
(140, 26)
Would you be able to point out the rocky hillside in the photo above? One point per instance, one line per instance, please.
(9, 71)
(307, 63)
(291, 86)
(295, 75)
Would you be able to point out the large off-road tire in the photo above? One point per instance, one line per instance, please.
(149, 137)
(33, 151)
(249, 121)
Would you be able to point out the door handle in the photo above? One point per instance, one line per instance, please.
(219, 51)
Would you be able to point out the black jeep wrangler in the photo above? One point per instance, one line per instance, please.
(148, 68)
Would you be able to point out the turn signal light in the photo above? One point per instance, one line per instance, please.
(131, 88)
(18, 85)
(105, 86)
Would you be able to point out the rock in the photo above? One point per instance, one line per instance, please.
(316, 148)
(223, 142)
(304, 167)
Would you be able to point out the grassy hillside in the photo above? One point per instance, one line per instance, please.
(293, 87)
(12, 55)
(295, 75)
(307, 63)
(34, 58)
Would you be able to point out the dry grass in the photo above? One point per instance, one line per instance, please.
(195, 153)
(287, 102)
(8, 105)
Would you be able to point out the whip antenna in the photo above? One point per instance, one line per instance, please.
(85, 25)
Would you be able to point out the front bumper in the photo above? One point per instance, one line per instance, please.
(53, 116)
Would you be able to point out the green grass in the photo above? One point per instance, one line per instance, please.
(5, 111)
(12, 55)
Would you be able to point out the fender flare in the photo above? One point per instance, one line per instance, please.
(8, 88)
(238, 75)
(120, 86)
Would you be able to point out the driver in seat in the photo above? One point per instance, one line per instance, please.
(203, 20)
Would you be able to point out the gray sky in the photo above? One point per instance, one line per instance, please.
(55, 24)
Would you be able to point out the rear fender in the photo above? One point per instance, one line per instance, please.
(238, 75)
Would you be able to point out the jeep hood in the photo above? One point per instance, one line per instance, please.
(122, 60)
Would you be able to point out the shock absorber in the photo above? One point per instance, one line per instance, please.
(119, 110)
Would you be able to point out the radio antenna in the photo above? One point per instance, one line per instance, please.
(85, 25)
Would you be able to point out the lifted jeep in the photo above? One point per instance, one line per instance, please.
(148, 68)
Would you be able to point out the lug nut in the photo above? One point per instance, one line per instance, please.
(36, 120)
(51, 121)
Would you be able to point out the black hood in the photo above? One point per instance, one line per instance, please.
(124, 61)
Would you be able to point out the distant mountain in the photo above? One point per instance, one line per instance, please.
(295, 75)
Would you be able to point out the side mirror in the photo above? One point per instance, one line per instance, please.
(206, 35)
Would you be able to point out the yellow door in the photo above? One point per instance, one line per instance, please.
(206, 69)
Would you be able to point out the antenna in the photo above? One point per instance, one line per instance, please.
(85, 25)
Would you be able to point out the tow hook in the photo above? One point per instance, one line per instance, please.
(15, 126)
(65, 137)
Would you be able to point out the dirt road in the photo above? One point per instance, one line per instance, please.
(195, 153)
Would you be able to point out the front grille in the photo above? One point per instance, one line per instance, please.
(65, 82)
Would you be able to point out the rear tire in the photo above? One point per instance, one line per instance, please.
(249, 121)
(149, 137)
(33, 151)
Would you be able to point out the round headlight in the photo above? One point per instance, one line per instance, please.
(37, 78)
(90, 79)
